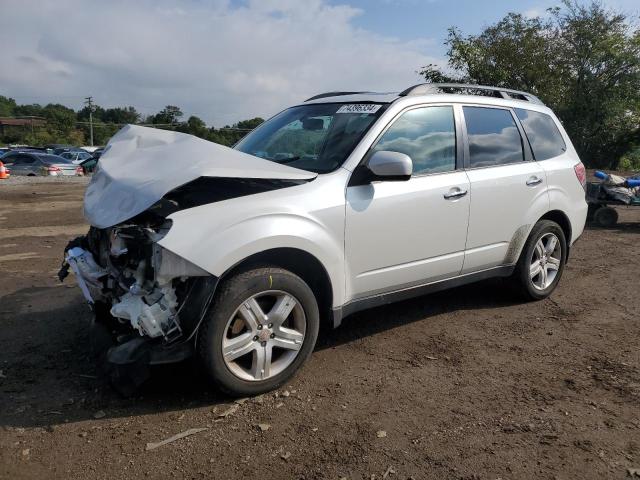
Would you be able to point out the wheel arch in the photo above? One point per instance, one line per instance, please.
(561, 219)
(300, 262)
(522, 234)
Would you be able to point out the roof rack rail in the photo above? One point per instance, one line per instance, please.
(434, 88)
(332, 94)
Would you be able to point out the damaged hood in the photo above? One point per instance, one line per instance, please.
(141, 165)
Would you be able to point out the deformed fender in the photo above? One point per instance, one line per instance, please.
(219, 246)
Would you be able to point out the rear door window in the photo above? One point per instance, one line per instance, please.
(22, 160)
(11, 158)
(494, 138)
(542, 133)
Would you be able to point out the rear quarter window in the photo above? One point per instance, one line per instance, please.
(543, 134)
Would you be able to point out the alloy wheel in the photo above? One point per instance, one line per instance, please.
(545, 261)
(264, 335)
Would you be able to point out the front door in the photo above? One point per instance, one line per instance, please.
(405, 233)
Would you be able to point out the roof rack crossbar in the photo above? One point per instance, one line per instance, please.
(332, 94)
(433, 88)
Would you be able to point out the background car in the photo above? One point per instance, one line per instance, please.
(57, 148)
(29, 163)
(90, 164)
(76, 156)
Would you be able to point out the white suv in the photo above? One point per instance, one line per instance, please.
(344, 202)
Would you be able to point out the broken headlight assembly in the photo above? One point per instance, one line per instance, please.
(143, 284)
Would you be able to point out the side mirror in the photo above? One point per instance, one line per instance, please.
(386, 165)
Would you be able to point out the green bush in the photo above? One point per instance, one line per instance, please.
(630, 161)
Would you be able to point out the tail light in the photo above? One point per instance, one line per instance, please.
(581, 174)
(79, 171)
(53, 168)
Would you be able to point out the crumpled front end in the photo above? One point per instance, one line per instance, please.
(143, 284)
(148, 302)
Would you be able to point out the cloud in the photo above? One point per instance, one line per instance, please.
(533, 13)
(218, 60)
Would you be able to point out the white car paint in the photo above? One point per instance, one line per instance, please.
(502, 203)
(403, 233)
(370, 239)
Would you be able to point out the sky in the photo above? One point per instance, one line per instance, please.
(228, 60)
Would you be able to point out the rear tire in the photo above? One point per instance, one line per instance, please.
(261, 327)
(606, 217)
(591, 211)
(541, 262)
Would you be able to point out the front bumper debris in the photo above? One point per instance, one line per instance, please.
(148, 303)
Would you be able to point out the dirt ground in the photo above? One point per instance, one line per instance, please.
(464, 384)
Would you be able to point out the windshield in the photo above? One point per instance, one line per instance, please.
(317, 137)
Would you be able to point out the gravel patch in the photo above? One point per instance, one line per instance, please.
(24, 180)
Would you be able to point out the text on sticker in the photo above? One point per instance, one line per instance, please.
(359, 108)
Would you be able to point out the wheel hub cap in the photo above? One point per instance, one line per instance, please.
(264, 335)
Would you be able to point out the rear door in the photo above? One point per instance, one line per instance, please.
(508, 188)
(31, 165)
(19, 164)
(404, 233)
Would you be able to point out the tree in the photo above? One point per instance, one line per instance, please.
(433, 74)
(248, 124)
(168, 115)
(601, 107)
(7, 106)
(231, 134)
(194, 126)
(28, 110)
(97, 110)
(583, 61)
(121, 115)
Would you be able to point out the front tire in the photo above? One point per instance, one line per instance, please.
(542, 261)
(262, 326)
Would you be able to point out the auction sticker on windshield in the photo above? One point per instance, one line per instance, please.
(359, 108)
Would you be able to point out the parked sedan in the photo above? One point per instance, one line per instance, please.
(90, 164)
(41, 164)
(76, 156)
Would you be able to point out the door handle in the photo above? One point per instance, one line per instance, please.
(533, 181)
(455, 194)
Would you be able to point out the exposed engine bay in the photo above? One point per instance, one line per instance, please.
(124, 268)
(144, 285)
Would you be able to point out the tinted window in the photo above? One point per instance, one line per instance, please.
(53, 159)
(25, 159)
(494, 138)
(427, 135)
(543, 134)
